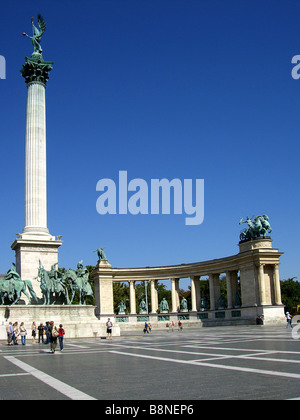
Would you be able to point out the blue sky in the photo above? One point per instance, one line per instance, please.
(188, 89)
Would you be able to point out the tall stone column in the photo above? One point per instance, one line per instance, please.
(195, 293)
(229, 290)
(174, 294)
(277, 289)
(234, 287)
(35, 163)
(154, 296)
(132, 297)
(261, 284)
(212, 292)
(35, 244)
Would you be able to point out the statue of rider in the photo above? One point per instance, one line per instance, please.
(9, 278)
(82, 273)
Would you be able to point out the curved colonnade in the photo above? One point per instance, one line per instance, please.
(256, 265)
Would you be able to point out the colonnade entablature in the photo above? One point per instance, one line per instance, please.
(255, 268)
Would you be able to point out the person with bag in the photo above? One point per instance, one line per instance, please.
(16, 333)
(61, 333)
(23, 333)
(53, 334)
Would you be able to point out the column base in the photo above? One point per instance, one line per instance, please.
(36, 234)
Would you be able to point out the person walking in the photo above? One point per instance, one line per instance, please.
(10, 333)
(289, 320)
(33, 332)
(15, 333)
(61, 333)
(109, 326)
(53, 334)
(23, 333)
(47, 330)
(41, 332)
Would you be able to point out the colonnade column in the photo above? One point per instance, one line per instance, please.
(261, 284)
(198, 293)
(154, 296)
(229, 290)
(195, 293)
(232, 288)
(277, 290)
(132, 297)
(175, 294)
(212, 292)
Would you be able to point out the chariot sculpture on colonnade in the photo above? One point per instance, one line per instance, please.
(257, 226)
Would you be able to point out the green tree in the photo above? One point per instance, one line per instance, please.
(121, 292)
(90, 300)
(162, 292)
(290, 293)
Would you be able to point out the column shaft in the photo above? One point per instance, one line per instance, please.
(277, 289)
(35, 160)
(132, 297)
(174, 295)
(229, 290)
(261, 284)
(212, 292)
(154, 297)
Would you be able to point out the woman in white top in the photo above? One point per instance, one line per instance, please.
(33, 332)
(23, 333)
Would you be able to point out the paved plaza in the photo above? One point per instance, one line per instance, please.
(210, 363)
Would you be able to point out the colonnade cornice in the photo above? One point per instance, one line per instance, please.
(204, 268)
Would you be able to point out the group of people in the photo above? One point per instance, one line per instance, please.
(172, 326)
(47, 333)
(14, 331)
(147, 327)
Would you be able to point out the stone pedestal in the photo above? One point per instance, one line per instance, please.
(79, 321)
(29, 253)
(103, 282)
(260, 244)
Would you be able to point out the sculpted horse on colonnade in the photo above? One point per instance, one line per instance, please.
(11, 287)
(78, 284)
(52, 284)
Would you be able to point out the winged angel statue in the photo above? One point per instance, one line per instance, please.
(37, 34)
